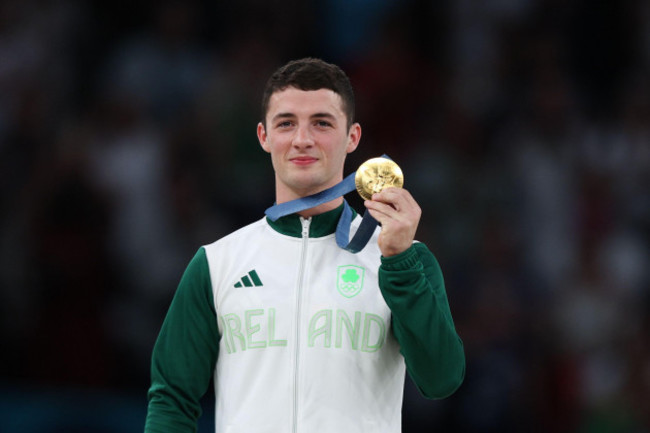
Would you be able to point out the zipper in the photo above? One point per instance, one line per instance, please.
(301, 272)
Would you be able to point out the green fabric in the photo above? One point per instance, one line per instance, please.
(185, 354)
(321, 225)
(414, 289)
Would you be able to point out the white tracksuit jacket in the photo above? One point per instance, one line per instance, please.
(298, 335)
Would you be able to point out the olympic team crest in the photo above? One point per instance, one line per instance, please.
(349, 281)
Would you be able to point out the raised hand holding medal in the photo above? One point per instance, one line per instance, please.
(379, 181)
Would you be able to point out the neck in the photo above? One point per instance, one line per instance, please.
(325, 207)
(317, 210)
(284, 194)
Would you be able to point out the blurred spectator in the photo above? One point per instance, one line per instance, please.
(164, 68)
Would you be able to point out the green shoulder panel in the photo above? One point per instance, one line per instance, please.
(185, 353)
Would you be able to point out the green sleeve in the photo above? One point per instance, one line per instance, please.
(185, 354)
(414, 289)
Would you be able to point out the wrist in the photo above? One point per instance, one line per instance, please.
(404, 260)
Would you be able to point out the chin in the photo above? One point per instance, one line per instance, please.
(310, 184)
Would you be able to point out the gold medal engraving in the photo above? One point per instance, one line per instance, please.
(376, 174)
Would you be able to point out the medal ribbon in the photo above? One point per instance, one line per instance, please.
(363, 233)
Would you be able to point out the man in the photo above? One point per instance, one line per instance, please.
(299, 334)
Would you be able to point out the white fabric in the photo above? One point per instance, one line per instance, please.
(299, 371)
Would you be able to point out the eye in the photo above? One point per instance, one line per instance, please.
(323, 124)
(284, 124)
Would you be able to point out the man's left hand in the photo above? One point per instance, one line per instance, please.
(399, 215)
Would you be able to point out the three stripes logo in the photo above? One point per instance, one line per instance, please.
(250, 280)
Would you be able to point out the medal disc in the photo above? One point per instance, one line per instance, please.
(376, 174)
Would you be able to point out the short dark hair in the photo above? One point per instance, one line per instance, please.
(310, 74)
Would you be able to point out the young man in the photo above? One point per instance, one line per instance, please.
(298, 334)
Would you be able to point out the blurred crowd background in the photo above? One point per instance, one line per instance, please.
(127, 141)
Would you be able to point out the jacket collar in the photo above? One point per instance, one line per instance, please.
(321, 225)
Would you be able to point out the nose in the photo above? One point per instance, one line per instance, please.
(303, 137)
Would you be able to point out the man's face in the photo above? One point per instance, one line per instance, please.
(307, 136)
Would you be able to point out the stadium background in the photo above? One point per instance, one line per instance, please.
(127, 140)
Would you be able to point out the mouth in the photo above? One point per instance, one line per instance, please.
(303, 160)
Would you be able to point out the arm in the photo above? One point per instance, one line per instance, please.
(413, 287)
(185, 354)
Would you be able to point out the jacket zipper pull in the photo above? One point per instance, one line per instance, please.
(305, 226)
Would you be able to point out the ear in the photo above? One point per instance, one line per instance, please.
(261, 136)
(354, 136)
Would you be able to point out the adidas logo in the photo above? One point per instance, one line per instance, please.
(249, 280)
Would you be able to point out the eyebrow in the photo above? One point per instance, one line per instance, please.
(323, 115)
(282, 116)
(289, 115)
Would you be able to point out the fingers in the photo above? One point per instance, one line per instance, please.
(380, 216)
(399, 215)
(394, 202)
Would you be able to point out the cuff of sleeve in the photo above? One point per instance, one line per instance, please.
(403, 261)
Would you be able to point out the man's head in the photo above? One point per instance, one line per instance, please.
(308, 127)
(311, 74)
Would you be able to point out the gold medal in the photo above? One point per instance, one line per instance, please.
(376, 174)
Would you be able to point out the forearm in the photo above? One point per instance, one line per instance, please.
(162, 415)
(413, 287)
